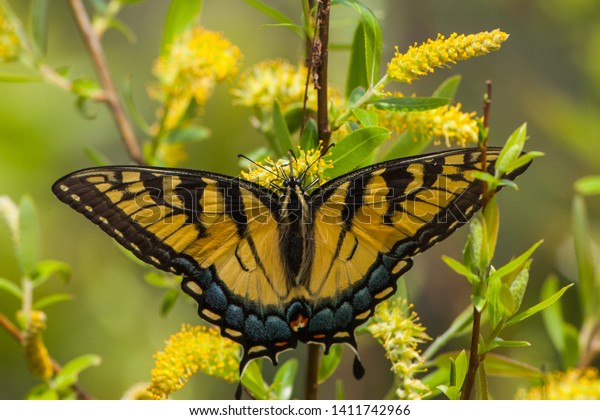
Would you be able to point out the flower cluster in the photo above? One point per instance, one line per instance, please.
(447, 123)
(273, 80)
(309, 163)
(10, 44)
(193, 349)
(400, 334)
(422, 59)
(574, 384)
(36, 353)
(189, 70)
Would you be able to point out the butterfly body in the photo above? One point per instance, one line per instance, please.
(272, 267)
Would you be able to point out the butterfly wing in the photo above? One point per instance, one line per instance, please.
(369, 223)
(217, 231)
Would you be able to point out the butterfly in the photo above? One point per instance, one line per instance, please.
(272, 267)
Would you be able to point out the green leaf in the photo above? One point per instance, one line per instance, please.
(11, 288)
(189, 134)
(38, 24)
(85, 88)
(472, 252)
(448, 88)
(571, 354)
(515, 265)
(522, 160)
(293, 118)
(309, 140)
(496, 309)
(372, 41)
(458, 372)
(253, 381)
(132, 109)
(339, 390)
(52, 299)
(29, 235)
(588, 185)
(356, 94)
(498, 342)
(365, 117)
(553, 316)
(329, 363)
(584, 257)
(19, 78)
(354, 149)
(511, 150)
(537, 308)
(357, 71)
(69, 373)
(409, 104)
(498, 365)
(491, 218)
(282, 134)
(461, 269)
(45, 269)
(276, 15)
(42, 391)
(519, 285)
(180, 17)
(168, 302)
(157, 279)
(283, 382)
(96, 156)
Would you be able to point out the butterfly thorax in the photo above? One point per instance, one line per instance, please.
(296, 238)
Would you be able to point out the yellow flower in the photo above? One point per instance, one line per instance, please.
(574, 384)
(270, 81)
(400, 334)
(422, 59)
(137, 391)
(308, 161)
(447, 123)
(10, 44)
(36, 353)
(190, 68)
(195, 348)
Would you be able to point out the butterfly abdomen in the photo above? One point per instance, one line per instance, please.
(295, 240)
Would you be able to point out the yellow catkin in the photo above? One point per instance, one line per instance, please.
(574, 384)
(446, 124)
(422, 59)
(273, 80)
(400, 336)
(193, 349)
(307, 162)
(36, 353)
(190, 68)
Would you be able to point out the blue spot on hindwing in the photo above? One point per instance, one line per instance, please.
(362, 300)
(255, 329)
(277, 329)
(215, 298)
(343, 316)
(234, 317)
(321, 321)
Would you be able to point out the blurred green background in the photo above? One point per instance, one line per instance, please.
(547, 74)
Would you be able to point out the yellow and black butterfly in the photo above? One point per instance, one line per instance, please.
(274, 266)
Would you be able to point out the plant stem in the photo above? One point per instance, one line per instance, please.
(321, 51)
(474, 358)
(94, 46)
(311, 386)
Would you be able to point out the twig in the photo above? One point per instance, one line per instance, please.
(18, 336)
(474, 358)
(111, 98)
(320, 58)
(312, 372)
